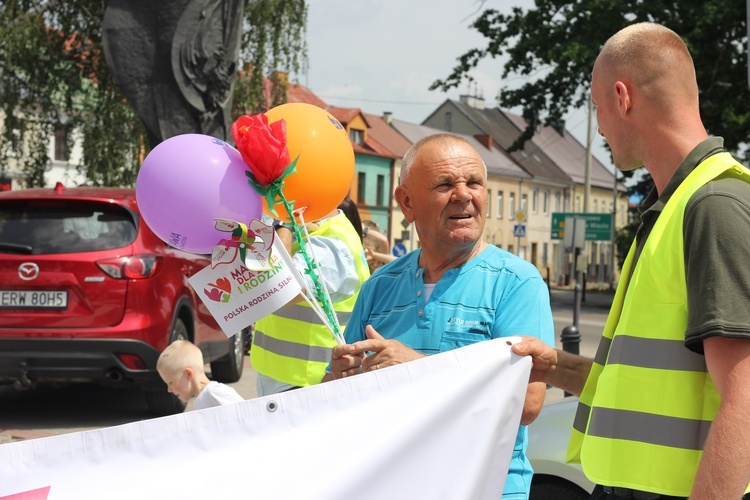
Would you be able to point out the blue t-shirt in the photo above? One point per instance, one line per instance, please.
(495, 294)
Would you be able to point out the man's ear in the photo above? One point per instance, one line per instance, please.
(623, 98)
(189, 373)
(404, 202)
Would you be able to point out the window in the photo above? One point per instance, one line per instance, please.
(557, 201)
(545, 203)
(61, 145)
(596, 206)
(489, 203)
(360, 187)
(545, 255)
(524, 203)
(512, 205)
(535, 201)
(356, 135)
(578, 203)
(448, 121)
(499, 204)
(380, 195)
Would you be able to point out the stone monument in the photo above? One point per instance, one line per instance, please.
(175, 62)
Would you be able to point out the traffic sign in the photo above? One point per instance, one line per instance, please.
(520, 216)
(519, 231)
(598, 226)
(399, 249)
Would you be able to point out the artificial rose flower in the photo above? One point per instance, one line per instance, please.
(262, 146)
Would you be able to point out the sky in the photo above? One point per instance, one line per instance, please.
(382, 55)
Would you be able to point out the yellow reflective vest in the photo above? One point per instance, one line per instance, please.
(648, 403)
(293, 346)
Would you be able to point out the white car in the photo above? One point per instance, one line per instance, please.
(548, 441)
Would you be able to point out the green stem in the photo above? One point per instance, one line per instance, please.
(323, 299)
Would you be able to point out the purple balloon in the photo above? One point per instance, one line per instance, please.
(186, 182)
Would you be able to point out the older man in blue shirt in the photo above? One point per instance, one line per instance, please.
(455, 291)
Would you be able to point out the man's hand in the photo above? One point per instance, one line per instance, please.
(351, 359)
(345, 362)
(543, 357)
(554, 367)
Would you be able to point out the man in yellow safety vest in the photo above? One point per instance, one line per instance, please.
(664, 404)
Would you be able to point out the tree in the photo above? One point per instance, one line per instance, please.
(554, 45)
(273, 43)
(54, 77)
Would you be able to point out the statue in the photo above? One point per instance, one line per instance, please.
(175, 62)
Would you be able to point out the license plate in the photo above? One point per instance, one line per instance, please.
(33, 299)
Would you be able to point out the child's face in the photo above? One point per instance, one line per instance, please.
(178, 383)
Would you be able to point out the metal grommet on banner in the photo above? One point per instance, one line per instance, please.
(272, 406)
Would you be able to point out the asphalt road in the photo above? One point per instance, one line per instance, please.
(46, 411)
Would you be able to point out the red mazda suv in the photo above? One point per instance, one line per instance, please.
(88, 293)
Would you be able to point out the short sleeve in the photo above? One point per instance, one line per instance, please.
(717, 253)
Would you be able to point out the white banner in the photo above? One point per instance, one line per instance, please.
(441, 427)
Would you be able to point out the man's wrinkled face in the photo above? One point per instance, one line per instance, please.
(446, 194)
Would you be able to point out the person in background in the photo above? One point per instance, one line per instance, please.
(180, 365)
(292, 346)
(454, 291)
(349, 208)
(377, 248)
(664, 404)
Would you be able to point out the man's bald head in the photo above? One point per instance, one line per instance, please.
(652, 58)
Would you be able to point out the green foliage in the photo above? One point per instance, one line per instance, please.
(54, 77)
(552, 48)
(273, 44)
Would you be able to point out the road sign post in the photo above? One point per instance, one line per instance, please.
(598, 225)
(519, 230)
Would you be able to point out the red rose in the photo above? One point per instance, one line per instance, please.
(262, 146)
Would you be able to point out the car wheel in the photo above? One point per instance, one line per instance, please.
(557, 490)
(248, 341)
(161, 402)
(229, 368)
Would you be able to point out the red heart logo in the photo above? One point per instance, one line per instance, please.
(224, 284)
(214, 294)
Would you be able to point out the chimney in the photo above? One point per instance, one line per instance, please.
(485, 139)
(387, 117)
(472, 100)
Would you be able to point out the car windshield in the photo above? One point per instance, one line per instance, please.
(63, 226)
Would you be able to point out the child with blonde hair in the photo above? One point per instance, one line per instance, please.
(180, 365)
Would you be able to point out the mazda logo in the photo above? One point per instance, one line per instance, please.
(28, 271)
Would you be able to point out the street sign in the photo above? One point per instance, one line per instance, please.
(519, 231)
(598, 226)
(520, 216)
(399, 249)
(574, 235)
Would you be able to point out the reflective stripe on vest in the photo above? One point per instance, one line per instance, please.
(648, 402)
(306, 314)
(292, 345)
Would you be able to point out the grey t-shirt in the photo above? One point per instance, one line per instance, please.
(717, 249)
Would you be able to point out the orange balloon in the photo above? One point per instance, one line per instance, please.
(326, 160)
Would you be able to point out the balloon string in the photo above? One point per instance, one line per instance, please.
(319, 290)
(327, 295)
